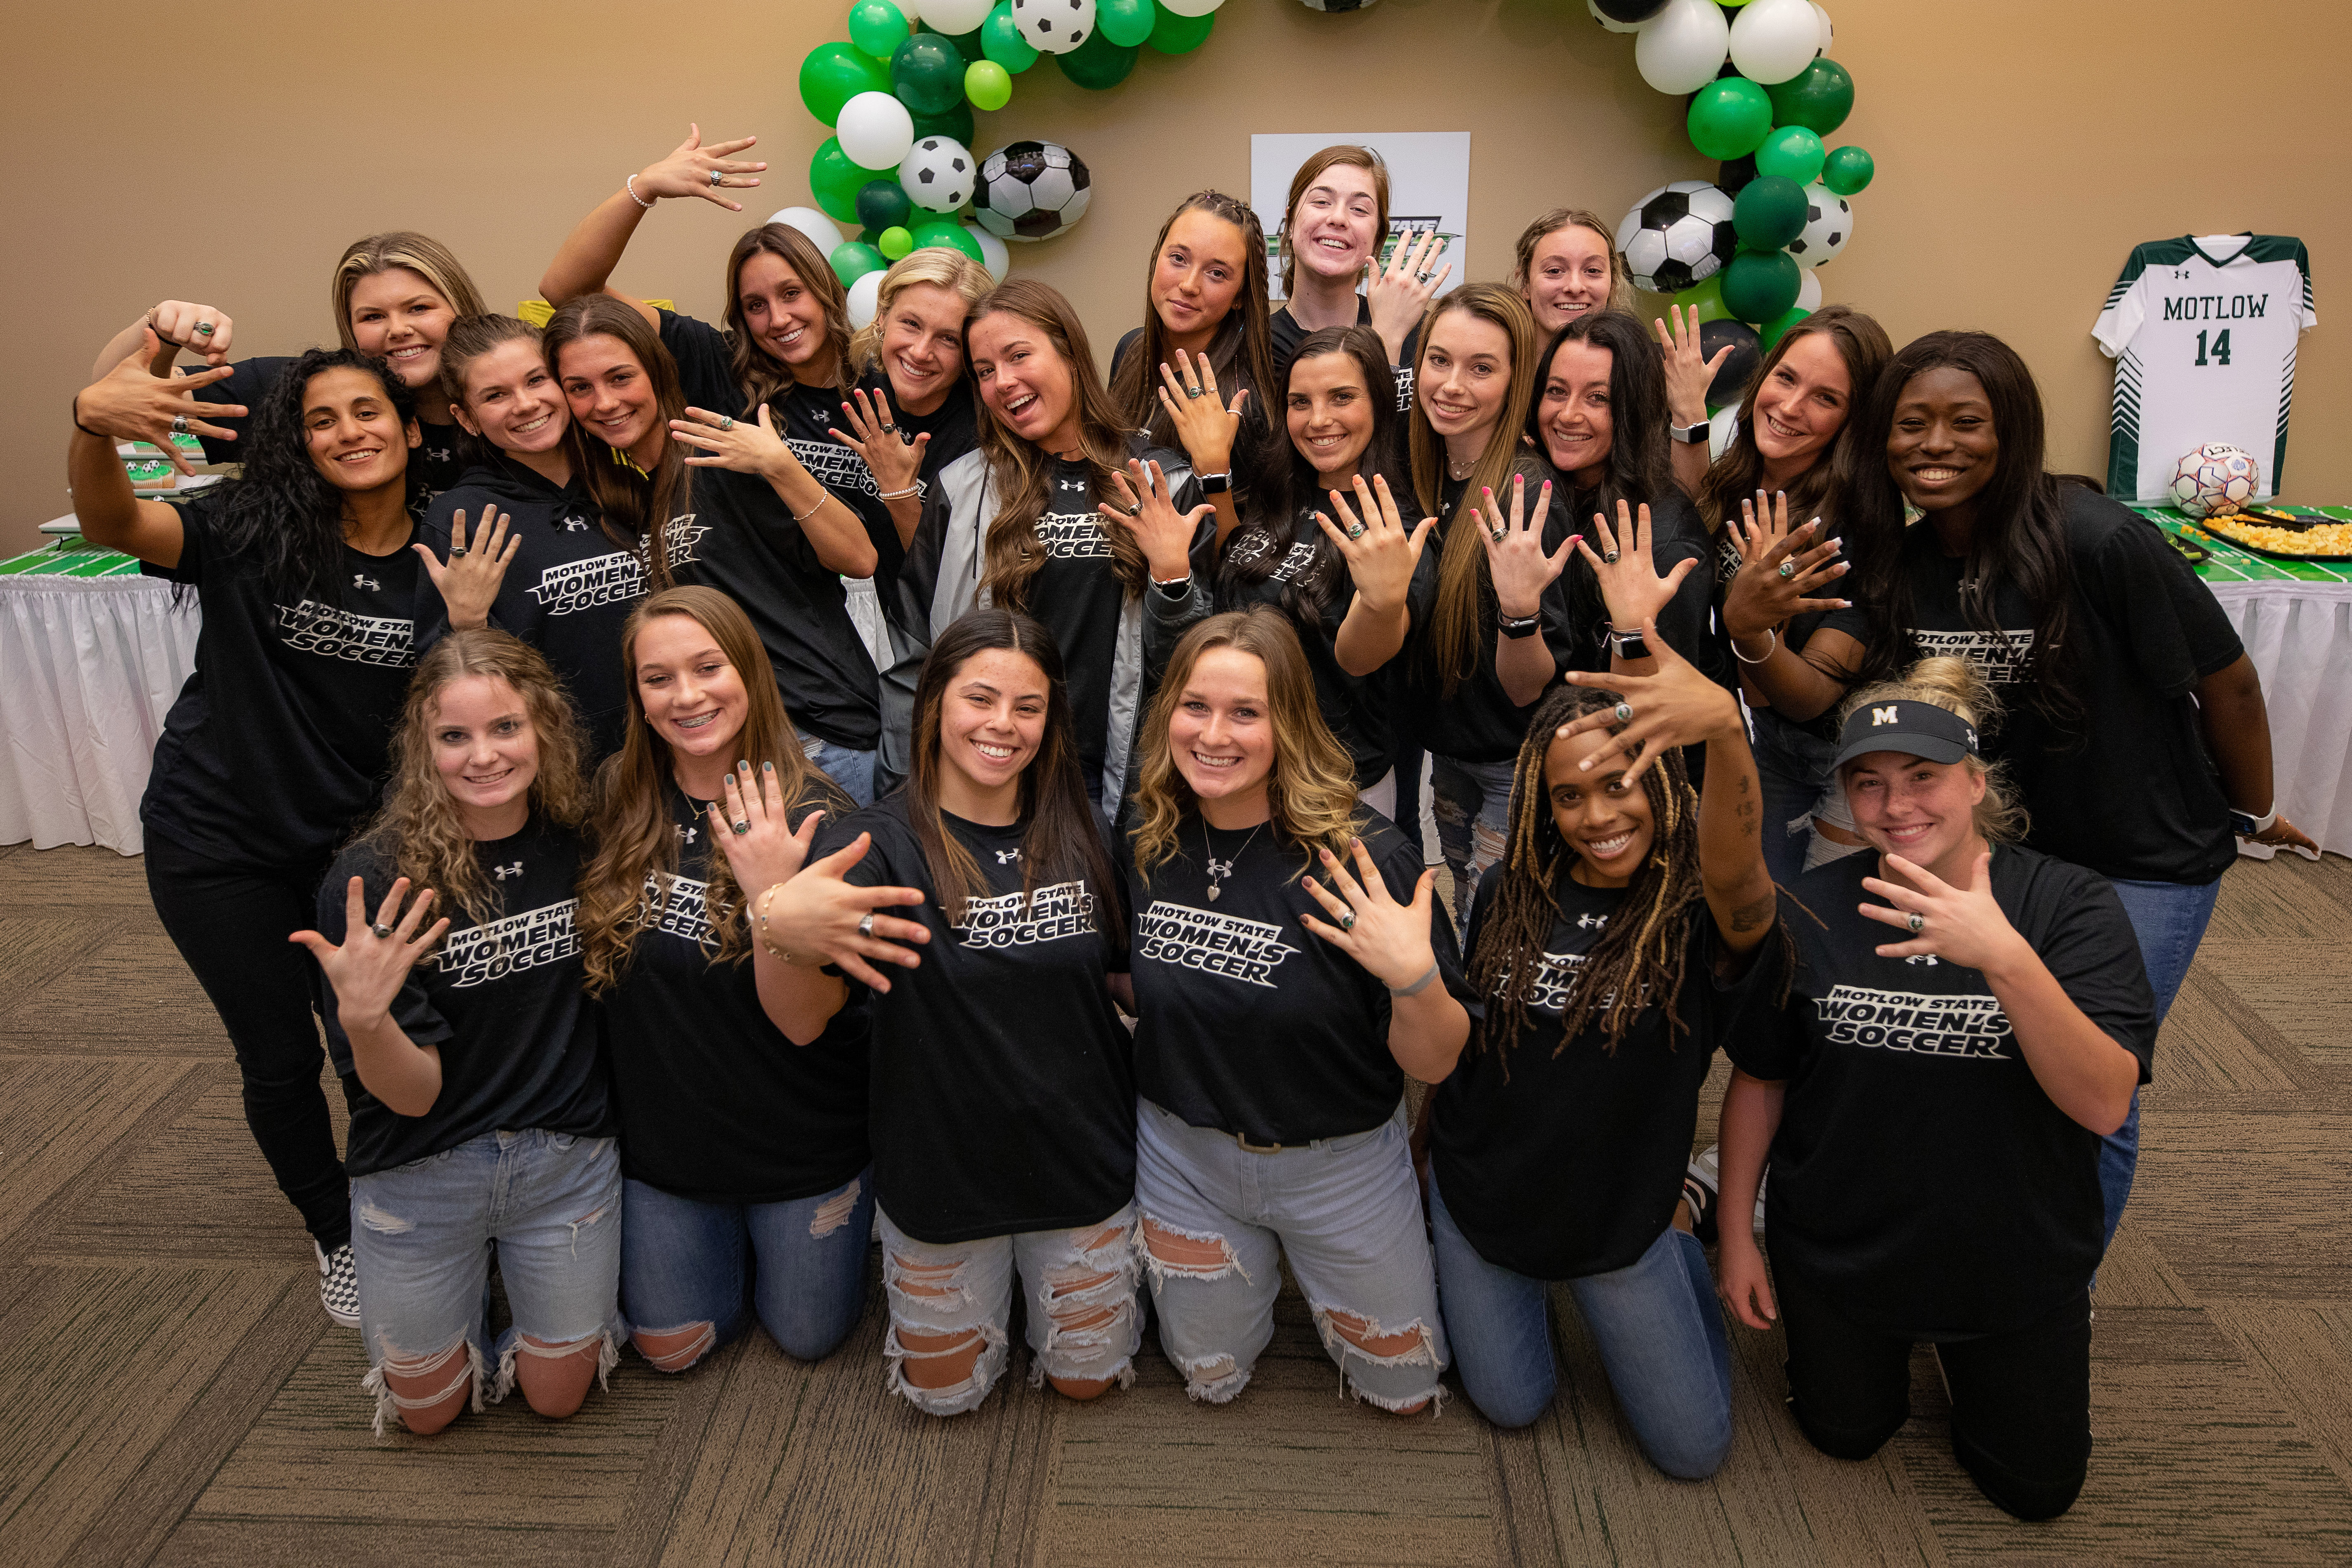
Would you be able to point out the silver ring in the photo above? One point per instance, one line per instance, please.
(725, 423)
(1196, 391)
(381, 930)
(886, 428)
(1609, 558)
(865, 926)
(740, 826)
(1788, 569)
(179, 424)
(456, 551)
(717, 178)
(1499, 532)
(1917, 922)
(1355, 530)
(1424, 276)
(1624, 711)
(1347, 920)
(204, 329)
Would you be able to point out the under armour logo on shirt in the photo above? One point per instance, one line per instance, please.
(1591, 922)
(685, 834)
(503, 872)
(362, 580)
(576, 525)
(1926, 958)
(1079, 485)
(438, 453)
(1007, 857)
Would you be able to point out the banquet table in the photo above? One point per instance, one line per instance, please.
(92, 654)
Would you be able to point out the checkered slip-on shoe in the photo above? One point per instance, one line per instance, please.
(338, 1284)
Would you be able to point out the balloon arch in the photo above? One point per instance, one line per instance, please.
(900, 94)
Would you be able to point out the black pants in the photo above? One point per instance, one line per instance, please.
(2020, 1400)
(231, 927)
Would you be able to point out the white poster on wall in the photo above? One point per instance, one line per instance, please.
(1429, 186)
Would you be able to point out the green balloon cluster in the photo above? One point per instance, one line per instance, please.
(1730, 116)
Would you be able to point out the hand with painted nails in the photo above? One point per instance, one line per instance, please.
(1515, 553)
(1677, 706)
(1381, 552)
(1626, 568)
(1363, 920)
(1780, 569)
(1144, 508)
(751, 825)
(894, 463)
(1206, 428)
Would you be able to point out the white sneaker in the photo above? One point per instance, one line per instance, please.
(338, 1284)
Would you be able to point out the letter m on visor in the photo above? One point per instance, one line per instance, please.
(1881, 716)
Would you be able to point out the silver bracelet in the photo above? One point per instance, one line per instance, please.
(812, 512)
(917, 488)
(630, 186)
(1418, 986)
(1771, 632)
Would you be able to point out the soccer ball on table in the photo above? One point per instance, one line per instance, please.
(1031, 191)
(2215, 480)
(1677, 236)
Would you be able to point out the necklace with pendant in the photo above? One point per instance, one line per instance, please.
(1221, 869)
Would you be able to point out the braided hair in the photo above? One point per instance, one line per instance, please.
(1642, 954)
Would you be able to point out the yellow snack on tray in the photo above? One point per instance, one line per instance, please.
(2321, 539)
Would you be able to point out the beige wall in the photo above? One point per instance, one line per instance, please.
(227, 155)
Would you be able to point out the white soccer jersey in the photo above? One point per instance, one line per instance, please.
(2202, 330)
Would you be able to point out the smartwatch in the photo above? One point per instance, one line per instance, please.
(1215, 484)
(2248, 826)
(1689, 434)
(1519, 626)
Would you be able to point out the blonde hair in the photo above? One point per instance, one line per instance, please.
(1312, 787)
(1346, 153)
(1621, 278)
(1957, 685)
(401, 250)
(934, 264)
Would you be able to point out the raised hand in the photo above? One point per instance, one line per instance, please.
(751, 825)
(469, 582)
(131, 404)
(1628, 571)
(1514, 551)
(199, 329)
(1148, 513)
(1780, 568)
(1205, 426)
(894, 463)
(1677, 706)
(1388, 939)
(1380, 551)
(1959, 925)
(818, 917)
(723, 441)
(1688, 375)
(1399, 293)
(689, 169)
(374, 959)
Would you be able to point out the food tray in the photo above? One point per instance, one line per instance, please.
(2339, 556)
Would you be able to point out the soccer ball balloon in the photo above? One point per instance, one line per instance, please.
(937, 174)
(2215, 480)
(1031, 190)
(1677, 236)
(1828, 224)
(1055, 26)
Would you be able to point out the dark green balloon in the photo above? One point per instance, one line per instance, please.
(1126, 22)
(968, 45)
(1760, 285)
(926, 74)
(832, 74)
(956, 124)
(1174, 35)
(947, 232)
(1730, 116)
(1848, 169)
(1769, 212)
(1818, 98)
(883, 203)
(1099, 63)
(835, 181)
(1001, 39)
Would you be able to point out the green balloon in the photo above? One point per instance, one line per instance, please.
(1769, 212)
(872, 236)
(1127, 22)
(835, 181)
(1099, 63)
(949, 233)
(926, 74)
(1729, 117)
(896, 241)
(853, 259)
(1774, 330)
(1760, 285)
(1704, 301)
(1174, 35)
(876, 26)
(968, 45)
(987, 85)
(834, 74)
(1818, 98)
(883, 203)
(1792, 153)
(1001, 37)
(1848, 169)
(955, 124)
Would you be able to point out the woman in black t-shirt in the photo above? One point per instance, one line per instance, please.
(746, 1160)
(1334, 221)
(1933, 1104)
(1279, 1016)
(395, 297)
(479, 1113)
(1003, 1097)
(277, 745)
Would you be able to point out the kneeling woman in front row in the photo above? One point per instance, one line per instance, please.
(1614, 947)
(1291, 967)
(1969, 1018)
(1004, 1098)
(478, 1112)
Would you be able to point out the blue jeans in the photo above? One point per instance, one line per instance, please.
(1654, 1322)
(1472, 803)
(800, 1265)
(853, 771)
(2169, 919)
(422, 1235)
(1792, 765)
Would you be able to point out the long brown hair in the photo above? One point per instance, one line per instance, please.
(403, 250)
(1820, 491)
(1311, 789)
(759, 374)
(1621, 278)
(1061, 838)
(636, 506)
(471, 337)
(1021, 474)
(1464, 581)
(1242, 353)
(419, 829)
(633, 873)
(1345, 153)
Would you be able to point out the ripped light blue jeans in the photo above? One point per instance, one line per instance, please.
(1472, 803)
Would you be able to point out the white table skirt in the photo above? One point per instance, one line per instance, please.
(2300, 635)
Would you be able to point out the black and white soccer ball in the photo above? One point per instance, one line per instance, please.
(1055, 26)
(937, 174)
(1677, 236)
(1828, 224)
(1031, 190)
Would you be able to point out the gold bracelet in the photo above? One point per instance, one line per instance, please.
(760, 908)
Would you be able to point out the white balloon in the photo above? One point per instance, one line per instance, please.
(1680, 49)
(1054, 27)
(1191, 8)
(865, 298)
(1614, 26)
(1721, 429)
(1828, 34)
(813, 223)
(994, 253)
(1809, 292)
(953, 18)
(877, 130)
(1774, 39)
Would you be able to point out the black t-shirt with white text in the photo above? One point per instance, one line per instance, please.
(1004, 1091)
(1921, 1171)
(1559, 1158)
(436, 462)
(500, 1001)
(278, 744)
(1249, 1024)
(716, 1103)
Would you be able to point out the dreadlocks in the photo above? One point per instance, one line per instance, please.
(1642, 953)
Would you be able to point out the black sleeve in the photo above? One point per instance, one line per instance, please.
(195, 533)
(2094, 954)
(1126, 341)
(706, 371)
(431, 611)
(2160, 609)
(248, 382)
(1764, 1040)
(1687, 622)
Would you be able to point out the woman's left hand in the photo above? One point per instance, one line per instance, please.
(1205, 427)
(1688, 372)
(1628, 572)
(723, 441)
(470, 582)
(1165, 533)
(2284, 835)
(894, 463)
(1400, 292)
(1959, 925)
(1380, 550)
(1388, 939)
(1514, 551)
(755, 834)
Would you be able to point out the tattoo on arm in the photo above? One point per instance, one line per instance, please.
(1755, 913)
